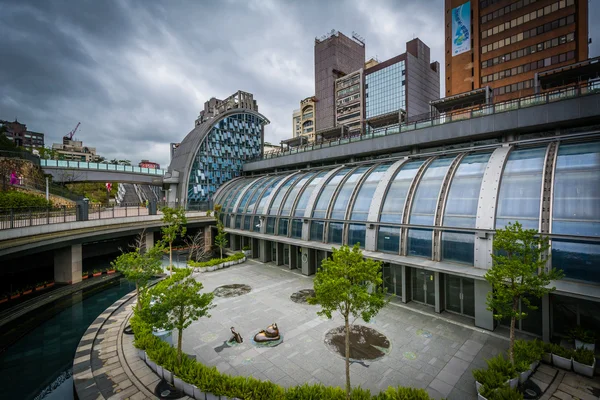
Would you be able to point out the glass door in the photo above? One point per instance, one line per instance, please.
(460, 295)
(286, 254)
(468, 297)
(273, 251)
(392, 279)
(423, 287)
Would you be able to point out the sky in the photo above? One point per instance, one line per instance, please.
(136, 73)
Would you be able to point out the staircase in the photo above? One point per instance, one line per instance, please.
(127, 195)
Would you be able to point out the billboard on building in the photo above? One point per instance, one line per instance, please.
(461, 29)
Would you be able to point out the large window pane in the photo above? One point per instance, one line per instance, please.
(238, 222)
(393, 205)
(520, 188)
(427, 193)
(463, 196)
(248, 193)
(343, 196)
(247, 222)
(265, 196)
(271, 225)
(274, 208)
(283, 227)
(458, 247)
(578, 260)
(303, 200)
(297, 228)
(316, 231)
(356, 234)
(360, 210)
(235, 194)
(335, 233)
(293, 193)
(388, 239)
(576, 207)
(251, 206)
(256, 224)
(419, 242)
(324, 200)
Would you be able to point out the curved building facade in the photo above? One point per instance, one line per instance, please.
(431, 220)
(227, 133)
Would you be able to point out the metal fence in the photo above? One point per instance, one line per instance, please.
(429, 120)
(100, 166)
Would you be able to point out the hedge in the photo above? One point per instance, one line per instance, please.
(209, 379)
(14, 199)
(216, 261)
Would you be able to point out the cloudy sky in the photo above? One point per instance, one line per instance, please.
(136, 73)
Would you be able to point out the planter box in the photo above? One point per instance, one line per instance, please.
(188, 389)
(587, 346)
(97, 274)
(547, 358)
(534, 366)
(210, 396)
(111, 271)
(151, 364)
(167, 375)
(478, 386)
(3, 300)
(84, 277)
(50, 284)
(159, 371)
(523, 376)
(26, 292)
(178, 383)
(142, 354)
(37, 289)
(561, 362)
(14, 296)
(480, 397)
(199, 394)
(585, 370)
(211, 269)
(513, 383)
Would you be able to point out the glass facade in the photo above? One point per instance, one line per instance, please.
(393, 206)
(220, 157)
(362, 203)
(385, 90)
(320, 210)
(343, 196)
(304, 197)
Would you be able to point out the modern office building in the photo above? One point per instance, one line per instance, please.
(503, 44)
(336, 55)
(401, 87)
(227, 133)
(20, 136)
(349, 102)
(426, 203)
(303, 120)
(74, 150)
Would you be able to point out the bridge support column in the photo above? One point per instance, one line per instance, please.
(149, 240)
(68, 263)
(208, 238)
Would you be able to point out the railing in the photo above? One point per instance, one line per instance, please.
(99, 166)
(31, 216)
(25, 155)
(40, 186)
(428, 120)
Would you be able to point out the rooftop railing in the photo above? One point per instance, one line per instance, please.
(428, 120)
(100, 166)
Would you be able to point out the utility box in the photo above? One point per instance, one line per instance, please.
(152, 207)
(82, 210)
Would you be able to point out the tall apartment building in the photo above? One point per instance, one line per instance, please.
(74, 150)
(504, 43)
(303, 120)
(20, 136)
(349, 102)
(336, 55)
(402, 87)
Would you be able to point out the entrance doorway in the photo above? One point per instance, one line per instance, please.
(286, 255)
(274, 252)
(423, 287)
(392, 279)
(460, 295)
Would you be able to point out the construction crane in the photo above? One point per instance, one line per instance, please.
(69, 135)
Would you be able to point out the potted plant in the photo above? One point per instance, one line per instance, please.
(16, 294)
(97, 272)
(504, 367)
(85, 275)
(561, 357)
(50, 284)
(3, 298)
(583, 338)
(111, 271)
(584, 362)
(28, 289)
(487, 377)
(40, 286)
(524, 370)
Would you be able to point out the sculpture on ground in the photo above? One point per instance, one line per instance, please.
(236, 336)
(271, 334)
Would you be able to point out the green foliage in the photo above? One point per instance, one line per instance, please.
(178, 303)
(14, 199)
(518, 271)
(503, 366)
(586, 336)
(402, 393)
(175, 222)
(94, 191)
(246, 248)
(528, 351)
(561, 351)
(216, 261)
(501, 393)
(351, 285)
(221, 237)
(584, 356)
(489, 378)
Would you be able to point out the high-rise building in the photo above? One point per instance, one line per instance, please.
(303, 120)
(336, 55)
(349, 102)
(18, 133)
(503, 44)
(401, 87)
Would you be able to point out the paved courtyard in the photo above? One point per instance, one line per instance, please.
(426, 351)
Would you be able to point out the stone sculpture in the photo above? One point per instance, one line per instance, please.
(271, 334)
(236, 336)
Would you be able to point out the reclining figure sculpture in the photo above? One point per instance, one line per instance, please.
(269, 335)
(236, 336)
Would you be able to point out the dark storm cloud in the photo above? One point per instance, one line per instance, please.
(136, 73)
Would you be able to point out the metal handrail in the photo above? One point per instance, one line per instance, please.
(428, 120)
(100, 166)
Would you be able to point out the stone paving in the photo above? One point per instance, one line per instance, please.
(426, 351)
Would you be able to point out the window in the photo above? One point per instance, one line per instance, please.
(283, 227)
(297, 228)
(388, 239)
(335, 233)
(356, 234)
(316, 231)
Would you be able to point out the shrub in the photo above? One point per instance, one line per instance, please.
(246, 248)
(402, 393)
(14, 199)
(489, 378)
(586, 336)
(216, 261)
(561, 351)
(503, 393)
(528, 351)
(502, 366)
(584, 356)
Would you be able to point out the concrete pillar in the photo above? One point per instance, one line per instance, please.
(149, 240)
(405, 284)
(208, 238)
(308, 261)
(279, 260)
(438, 292)
(483, 318)
(68, 264)
(546, 318)
(265, 251)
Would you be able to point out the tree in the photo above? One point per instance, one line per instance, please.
(518, 271)
(140, 264)
(221, 237)
(351, 285)
(178, 303)
(197, 246)
(175, 225)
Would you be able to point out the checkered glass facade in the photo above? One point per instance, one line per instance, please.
(385, 90)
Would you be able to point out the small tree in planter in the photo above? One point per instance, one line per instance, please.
(518, 271)
(351, 285)
(197, 248)
(583, 338)
(175, 225)
(221, 237)
(140, 265)
(178, 304)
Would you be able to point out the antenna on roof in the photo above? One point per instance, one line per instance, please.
(358, 38)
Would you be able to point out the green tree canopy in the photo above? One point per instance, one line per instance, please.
(351, 285)
(518, 272)
(221, 237)
(175, 222)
